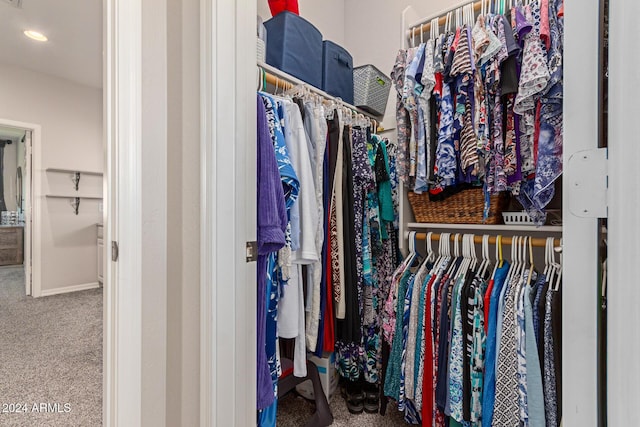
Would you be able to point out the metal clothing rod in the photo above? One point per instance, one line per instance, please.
(424, 25)
(281, 79)
(536, 242)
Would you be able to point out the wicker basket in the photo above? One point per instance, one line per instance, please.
(465, 207)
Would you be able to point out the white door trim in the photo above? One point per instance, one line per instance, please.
(580, 245)
(623, 373)
(33, 208)
(228, 141)
(122, 349)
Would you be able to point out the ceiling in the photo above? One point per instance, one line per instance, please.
(74, 29)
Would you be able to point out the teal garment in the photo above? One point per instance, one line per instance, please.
(535, 394)
(385, 195)
(392, 378)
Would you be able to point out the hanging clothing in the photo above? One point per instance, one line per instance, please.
(272, 223)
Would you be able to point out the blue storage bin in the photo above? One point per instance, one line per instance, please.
(294, 46)
(337, 71)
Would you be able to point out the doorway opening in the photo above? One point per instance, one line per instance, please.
(16, 203)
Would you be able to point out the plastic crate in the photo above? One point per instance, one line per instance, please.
(371, 89)
(328, 377)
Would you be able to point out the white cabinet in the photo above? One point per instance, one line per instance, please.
(100, 234)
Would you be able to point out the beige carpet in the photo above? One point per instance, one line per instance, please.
(294, 411)
(50, 355)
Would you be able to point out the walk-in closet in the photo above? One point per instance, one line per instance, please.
(434, 213)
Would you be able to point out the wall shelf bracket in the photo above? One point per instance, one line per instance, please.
(75, 203)
(76, 180)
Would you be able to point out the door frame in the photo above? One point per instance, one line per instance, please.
(623, 372)
(122, 113)
(228, 219)
(33, 209)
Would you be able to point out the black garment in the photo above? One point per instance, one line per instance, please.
(445, 340)
(541, 312)
(556, 332)
(349, 328)
(509, 76)
(443, 347)
(333, 140)
(467, 297)
(300, 103)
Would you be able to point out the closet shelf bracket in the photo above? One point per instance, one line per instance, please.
(588, 177)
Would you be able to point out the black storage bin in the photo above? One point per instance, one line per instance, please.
(294, 46)
(337, 71)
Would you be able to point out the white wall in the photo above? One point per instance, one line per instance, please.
(373, 30)
(71, 120)
(326, 15)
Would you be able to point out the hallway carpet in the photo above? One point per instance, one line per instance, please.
(50, 356)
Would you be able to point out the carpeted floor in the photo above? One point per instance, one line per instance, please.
(50, 355)
(294, 411)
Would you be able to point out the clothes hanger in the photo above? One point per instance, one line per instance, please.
(531, 264)
(553, 269)
(499, 260)
(452, 255)
(435, 27)
(484, 248)
(259, 79)
(489, 261)
(462, 253)
(485, 255)
(473, 256)
(545, 272)
(556, 287)
(431, 255)
(443, 258)
(514, 261)
(520, 256)
(471, 247)
(465, 257)
(522, 253)
(421, 34)
(412, 243)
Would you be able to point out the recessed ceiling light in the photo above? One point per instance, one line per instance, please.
(34, 35)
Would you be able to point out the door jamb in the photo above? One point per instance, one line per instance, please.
(33, 209)
(122, 100)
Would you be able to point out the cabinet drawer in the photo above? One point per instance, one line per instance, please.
(10, 238)
(10, 256)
